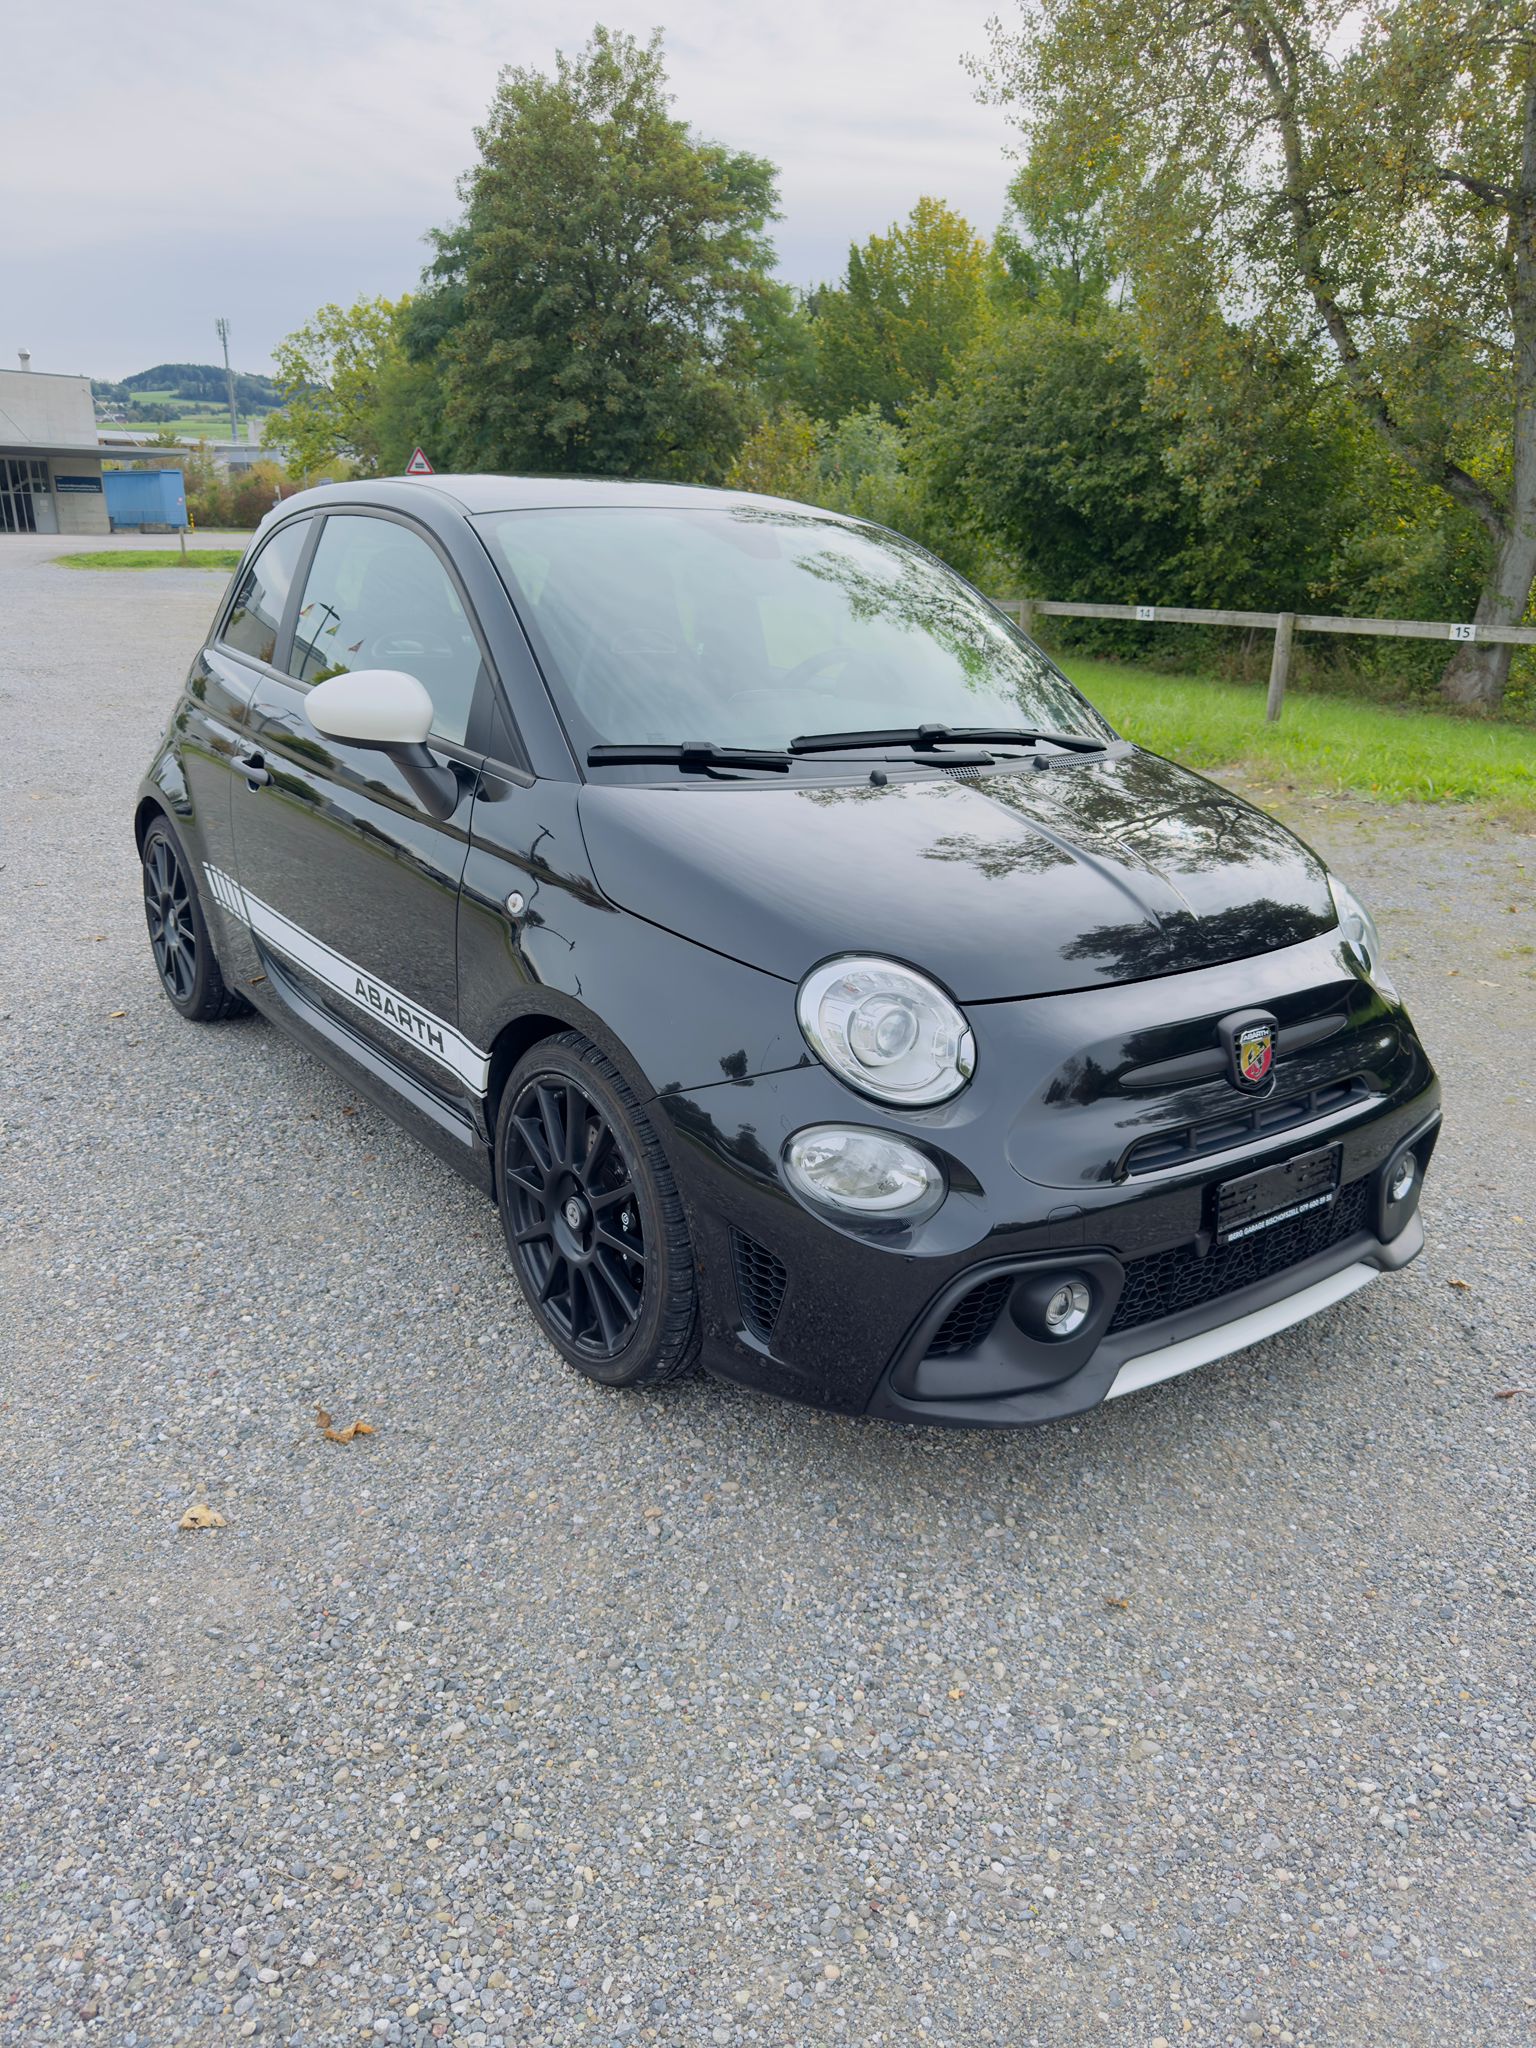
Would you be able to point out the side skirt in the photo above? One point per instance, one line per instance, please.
(438, 1124)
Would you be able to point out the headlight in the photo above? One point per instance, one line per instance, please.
(886, 1030)
(1361, 935)
(866, 1173)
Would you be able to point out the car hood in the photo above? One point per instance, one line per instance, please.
(1110, 868)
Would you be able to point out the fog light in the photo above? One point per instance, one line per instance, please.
(865, 1173)
(1404, 1174)
(1067, 1309)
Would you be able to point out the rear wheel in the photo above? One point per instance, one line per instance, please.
(178, 933)
(593, 1218)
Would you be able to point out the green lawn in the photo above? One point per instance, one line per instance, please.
(1321, 742)
(227, 559)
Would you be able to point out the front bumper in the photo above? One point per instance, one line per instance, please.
(845, 1318)
(1162, 1350)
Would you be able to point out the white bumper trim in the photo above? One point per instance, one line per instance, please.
(1172, 1359)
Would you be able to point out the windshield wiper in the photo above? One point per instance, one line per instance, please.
(702, 756)
(930, 736)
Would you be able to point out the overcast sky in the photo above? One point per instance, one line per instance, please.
(160, 166)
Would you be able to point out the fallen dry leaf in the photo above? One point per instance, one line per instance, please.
(1114, 1600)
(201, 1516)
(1509, 1393)
(1464, 1285)
(341, 1436)
(117, 1013)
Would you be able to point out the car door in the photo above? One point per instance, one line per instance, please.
(215, 718)
(350, 887)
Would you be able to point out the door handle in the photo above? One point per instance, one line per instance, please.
(254, 769)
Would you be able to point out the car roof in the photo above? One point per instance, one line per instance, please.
(475, 494)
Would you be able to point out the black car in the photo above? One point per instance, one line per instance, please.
(821, 988)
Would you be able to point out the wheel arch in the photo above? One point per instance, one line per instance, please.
(548, 1020)
(145, 813)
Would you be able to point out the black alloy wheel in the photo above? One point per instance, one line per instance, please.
(593, 1219)
(168, 912)
(178, 933)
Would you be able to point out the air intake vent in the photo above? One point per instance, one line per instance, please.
(760, 1283)
(963, 774)
(972, 1317)
(1170, 1281)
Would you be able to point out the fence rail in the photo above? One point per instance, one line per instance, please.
(1284, 626)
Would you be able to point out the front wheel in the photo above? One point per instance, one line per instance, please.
(593, 1218)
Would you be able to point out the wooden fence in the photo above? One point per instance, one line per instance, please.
(1284, 625)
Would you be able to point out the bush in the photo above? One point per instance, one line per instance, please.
(236, 501)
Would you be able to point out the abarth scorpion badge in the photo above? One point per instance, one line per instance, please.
(1250, 1041)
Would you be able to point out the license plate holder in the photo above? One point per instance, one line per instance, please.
(1256, 1202)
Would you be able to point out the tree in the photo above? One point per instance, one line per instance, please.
(333, 373)
(1044, 448)
(1051, 249)
(910, 304)
(599, 292)
(780, 458)
(1361, 180)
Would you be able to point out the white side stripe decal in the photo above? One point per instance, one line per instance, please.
(430, 1034)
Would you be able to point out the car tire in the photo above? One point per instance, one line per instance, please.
(178, 933)
(594, 1222)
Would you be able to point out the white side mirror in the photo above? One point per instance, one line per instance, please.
(371, 707)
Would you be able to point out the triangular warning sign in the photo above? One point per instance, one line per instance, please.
(418, 465)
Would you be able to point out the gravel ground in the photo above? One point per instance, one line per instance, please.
(547, 1716)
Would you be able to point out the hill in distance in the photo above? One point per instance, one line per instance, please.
(189, 385)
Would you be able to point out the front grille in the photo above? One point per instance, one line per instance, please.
(1168, 1282)
(760, 1283)
(972, 1317)
(1241, 1126)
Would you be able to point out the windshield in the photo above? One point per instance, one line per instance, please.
(754, 624)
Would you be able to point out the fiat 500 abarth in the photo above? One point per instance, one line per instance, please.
(818, 984)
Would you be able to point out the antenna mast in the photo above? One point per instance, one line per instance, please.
(229, 378)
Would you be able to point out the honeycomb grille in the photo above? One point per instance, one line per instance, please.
(760, 1283)
(1170, 1281)
(971, 1318)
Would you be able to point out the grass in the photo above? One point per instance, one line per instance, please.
(1323, 743)
(227, 559)
(193, 422)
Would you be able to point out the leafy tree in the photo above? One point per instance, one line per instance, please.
(1361, 179)
(910, 304)
(1043, 447)
(333, 373)
(863, 469)
(1057, 448)
(1051, 250)
(781, 458)
(596, 303)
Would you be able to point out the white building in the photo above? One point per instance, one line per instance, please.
(50, 458)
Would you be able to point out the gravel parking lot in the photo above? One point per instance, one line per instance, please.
(545, 1715)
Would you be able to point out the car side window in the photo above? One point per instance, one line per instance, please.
(256, 616)
(378, 597)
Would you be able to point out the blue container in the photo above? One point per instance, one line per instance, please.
(146, 497)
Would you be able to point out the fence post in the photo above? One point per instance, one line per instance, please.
(1279, 665)
(1027, 616)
